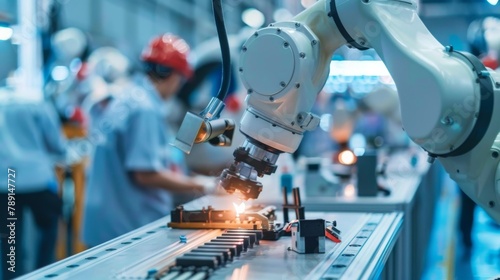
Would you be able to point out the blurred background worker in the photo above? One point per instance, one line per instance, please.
(134, 171)
(32, 140)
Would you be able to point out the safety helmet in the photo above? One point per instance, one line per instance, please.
(170, 51)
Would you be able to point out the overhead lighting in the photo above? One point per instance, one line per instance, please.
(60, 73)
(5, 33)
(492, 2)
(307, 3)
(253, 18)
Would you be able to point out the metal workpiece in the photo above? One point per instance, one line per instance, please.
(152, 251)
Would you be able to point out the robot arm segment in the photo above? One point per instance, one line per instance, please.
(447, 97)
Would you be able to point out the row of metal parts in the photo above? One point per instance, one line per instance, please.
(202, 261)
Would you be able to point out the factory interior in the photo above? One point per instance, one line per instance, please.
(250, 139)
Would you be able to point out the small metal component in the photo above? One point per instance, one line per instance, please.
(240, 69)
(308, 236)
(256, 34)
(447, 121)
(362, 41)
(308, 121)
(278, 30)
(448, 48)
(286, 44)
(314, 42)
(244, 49)
(431, 159)
(200, 261)
(182, 239)
(152, 272)
(250, 91)
(283, 84)
(302, 55)
(297, 25)
(484, 74)
(491, 204)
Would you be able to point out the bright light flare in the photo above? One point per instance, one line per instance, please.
(347, 157)
(240, 209)
(349, 191)
(492, 2)
(253, 18)
(5, 33)
(60, 73)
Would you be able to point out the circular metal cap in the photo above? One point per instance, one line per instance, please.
(268, 64)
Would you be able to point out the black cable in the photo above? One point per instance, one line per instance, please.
(224, 46)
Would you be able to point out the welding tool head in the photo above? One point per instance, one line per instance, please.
(251, 160)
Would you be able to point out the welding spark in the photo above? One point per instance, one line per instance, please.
(239, 208)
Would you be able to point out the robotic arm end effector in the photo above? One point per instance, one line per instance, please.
(251, 160)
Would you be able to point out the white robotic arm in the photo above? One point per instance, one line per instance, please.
(449, 100)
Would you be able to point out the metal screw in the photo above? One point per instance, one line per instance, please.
(241, 69)
(250, 91)
(297, 25)
(448, 48)
(271, 24)
(271, 99)
(283, 84)
(244, 49)
(314, 42)
(297, 85)
(278, 30)
(447, 120)
(431, 159)
(362, 42)
(494, 154)
(286, 44)
(302, 55)
(293, 123)
(256, 34)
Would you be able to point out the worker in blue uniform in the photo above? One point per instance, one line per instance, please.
(32, 142)
(134, 174)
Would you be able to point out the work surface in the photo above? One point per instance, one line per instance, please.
(367, 242)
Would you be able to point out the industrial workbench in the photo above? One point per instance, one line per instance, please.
(414, 189)
(367, 243)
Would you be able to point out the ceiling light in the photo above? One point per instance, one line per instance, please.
(253, 18)
(5, 33)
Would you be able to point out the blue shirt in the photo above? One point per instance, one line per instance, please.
(134, 137)
(31, 141)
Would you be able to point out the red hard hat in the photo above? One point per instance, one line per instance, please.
(490, 62)
(170, 51)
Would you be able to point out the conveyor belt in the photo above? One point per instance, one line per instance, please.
(154, 249)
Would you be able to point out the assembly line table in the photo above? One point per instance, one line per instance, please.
(154, 246)
(414, 189)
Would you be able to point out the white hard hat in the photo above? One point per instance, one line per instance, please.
(69, 43)
(108, 63)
